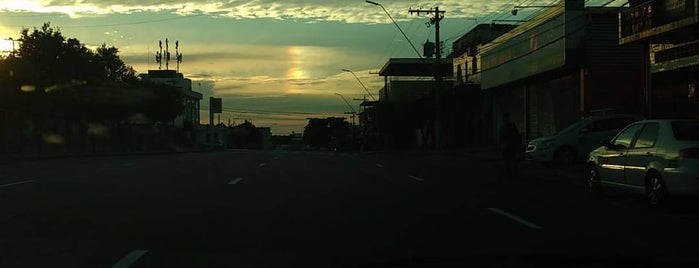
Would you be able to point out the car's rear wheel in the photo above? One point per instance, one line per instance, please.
(593, 181)
(656, 193)
(564, 156)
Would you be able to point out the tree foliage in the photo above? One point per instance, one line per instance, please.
(326, 132)
(244, 136)
(58, 83)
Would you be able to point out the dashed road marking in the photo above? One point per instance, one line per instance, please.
(515, 218)
(379, 165)
(130, 258)
(263, 164)
(275, 158)
(236, 181)
(415, 178)
(16, 183)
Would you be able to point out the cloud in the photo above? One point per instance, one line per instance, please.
(307, 10)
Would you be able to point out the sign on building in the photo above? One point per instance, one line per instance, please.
(215, 105)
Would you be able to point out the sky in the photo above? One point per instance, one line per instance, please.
(274, 63)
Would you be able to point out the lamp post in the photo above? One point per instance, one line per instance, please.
(360, 82)
(354, 112)
(395, 23)
(438, 76)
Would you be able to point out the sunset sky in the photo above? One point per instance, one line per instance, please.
(284, 58)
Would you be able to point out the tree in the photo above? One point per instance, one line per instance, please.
(57, 83)
(55, 59)
(244, 135)
(113, 67)
(326, 132)
(163, 103)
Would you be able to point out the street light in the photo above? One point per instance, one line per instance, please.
(395, 23)
(354, 112)
(360, 82)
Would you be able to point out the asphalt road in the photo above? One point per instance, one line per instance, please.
(321, 209)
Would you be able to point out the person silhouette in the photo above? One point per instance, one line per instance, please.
(510, 141)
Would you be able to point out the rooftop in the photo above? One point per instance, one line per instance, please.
(415, 67)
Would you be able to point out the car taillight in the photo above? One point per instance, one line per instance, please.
(690, 153)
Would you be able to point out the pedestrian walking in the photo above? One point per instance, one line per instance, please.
(511, 143)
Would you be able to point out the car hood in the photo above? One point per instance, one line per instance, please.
(543, 139)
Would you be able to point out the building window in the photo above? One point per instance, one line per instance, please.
(691, 92)
(533, 43)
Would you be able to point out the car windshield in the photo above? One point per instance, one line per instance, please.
(341, 133)
(573, 127)
(686, 130)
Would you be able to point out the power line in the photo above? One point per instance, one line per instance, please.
(134, 23)
(267, 111)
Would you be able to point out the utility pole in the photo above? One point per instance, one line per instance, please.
(351, 116)
(360, 82)
(438, 124)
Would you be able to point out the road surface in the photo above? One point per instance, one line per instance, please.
(320, 209)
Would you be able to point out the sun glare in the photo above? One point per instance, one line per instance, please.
(5, 46)
(294, 70)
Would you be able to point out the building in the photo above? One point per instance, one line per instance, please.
(563, 64)
(212, 136)
(266, 133)
(466, 55)
(404, 115)
(468, 99)
(190, 117)
(668, 30)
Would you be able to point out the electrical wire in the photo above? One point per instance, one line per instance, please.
(135, 23)
(268, 112)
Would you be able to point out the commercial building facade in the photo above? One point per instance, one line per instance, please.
(469, 98)
(669, 32)
(404, 115)
(190, 118)
(562, 65)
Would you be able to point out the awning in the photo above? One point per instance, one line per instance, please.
(415, 67)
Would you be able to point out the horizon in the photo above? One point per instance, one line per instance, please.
(273, 55)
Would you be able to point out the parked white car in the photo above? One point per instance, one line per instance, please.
(576, 141)
(659, 158)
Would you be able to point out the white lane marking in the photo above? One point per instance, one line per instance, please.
(237, 180)
(415, 178)
(263, 164)
(16, 183)
(379, 165)
(515, 218)
(130, 258)
(275, 158)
